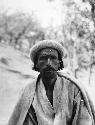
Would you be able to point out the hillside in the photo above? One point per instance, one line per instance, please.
(15, 74)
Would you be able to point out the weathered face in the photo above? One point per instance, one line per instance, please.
(48, 63)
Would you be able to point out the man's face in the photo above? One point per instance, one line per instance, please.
(48, 63)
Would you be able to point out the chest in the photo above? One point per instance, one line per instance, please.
(49, 95)
(62, 105)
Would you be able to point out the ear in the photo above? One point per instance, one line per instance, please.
(59, 65)
(36, 65)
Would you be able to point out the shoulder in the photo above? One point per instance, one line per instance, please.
(70, 83)
(23, 103)
(29, 88)
(72, 80)
(76, 85)
(82, 90)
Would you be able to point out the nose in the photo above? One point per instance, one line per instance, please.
(49, 61)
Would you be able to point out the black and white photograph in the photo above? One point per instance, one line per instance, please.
(47, 62)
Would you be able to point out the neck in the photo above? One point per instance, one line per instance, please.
(49, 83)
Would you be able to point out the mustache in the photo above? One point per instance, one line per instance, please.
(49, 68)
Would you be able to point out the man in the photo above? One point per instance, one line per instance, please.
(53, 98)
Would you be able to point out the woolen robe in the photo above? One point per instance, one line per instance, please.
(75, 107)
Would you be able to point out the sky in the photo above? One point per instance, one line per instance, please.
(46, 11)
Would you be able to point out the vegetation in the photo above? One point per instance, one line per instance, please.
(76, 33)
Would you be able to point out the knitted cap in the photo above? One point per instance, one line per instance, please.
(46, 44)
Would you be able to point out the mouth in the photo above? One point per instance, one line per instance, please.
(49, 72)
(49, 69)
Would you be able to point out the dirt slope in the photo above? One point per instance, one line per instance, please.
(15, 74)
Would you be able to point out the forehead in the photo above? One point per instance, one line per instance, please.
(48, 51)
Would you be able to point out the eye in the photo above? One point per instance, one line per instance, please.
(41, 58)
(54, 57)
